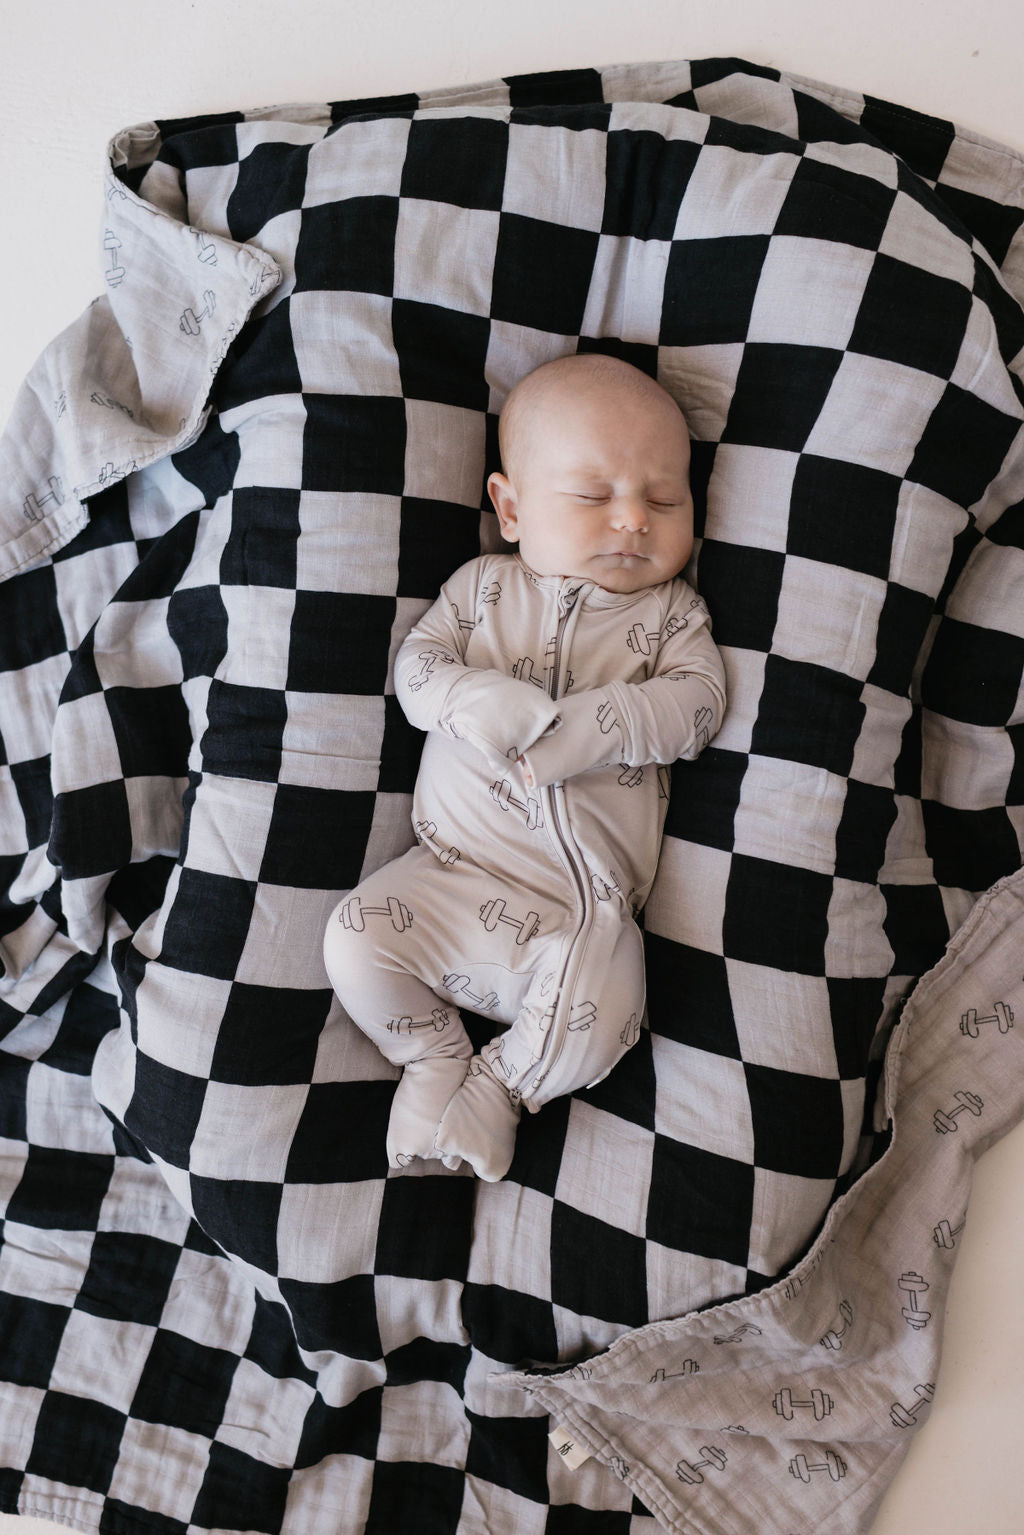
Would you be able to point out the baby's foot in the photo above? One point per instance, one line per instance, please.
(421, 1097)
(479, 1124)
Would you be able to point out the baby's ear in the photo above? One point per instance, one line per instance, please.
(504, 501)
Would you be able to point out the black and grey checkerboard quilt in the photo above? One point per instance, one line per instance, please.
(227, 494)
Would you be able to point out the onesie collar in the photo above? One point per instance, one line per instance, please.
(589, 593)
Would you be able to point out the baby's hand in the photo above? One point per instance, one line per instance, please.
(526, 772)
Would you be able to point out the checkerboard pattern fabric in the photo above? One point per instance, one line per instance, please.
(240, 481)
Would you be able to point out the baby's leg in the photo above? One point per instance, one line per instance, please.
(376, 949)
(480, 1123)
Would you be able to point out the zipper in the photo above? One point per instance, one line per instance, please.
(565, 845)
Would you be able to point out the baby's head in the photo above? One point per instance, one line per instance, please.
(595, 483)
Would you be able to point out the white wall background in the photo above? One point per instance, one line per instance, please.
(72, 72)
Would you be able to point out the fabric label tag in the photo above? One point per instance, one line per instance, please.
(572, 1453)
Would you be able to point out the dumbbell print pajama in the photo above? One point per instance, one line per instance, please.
(519, 899)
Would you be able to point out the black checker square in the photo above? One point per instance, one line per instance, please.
(973, 674)
(425, 1228)
(688, 997)
(646, 179)
(902, 628)
(32, 784)
(317, 837)
(354, 443)
(347, 246)
(856, 1004)
(165, 1109)
(413, 1495)
(542, 274)
(245, 729)
(341, 1317)
(92, 831)
(916, 926)
(912, 317)
(60, 1190)
(31, 628)
(963, 447)
(776, 915)
(277, 166)
(442, 353)
(970, 849)
(435, 538)
(269, 1034)
(456, 160)
(241, 1493)
(261, 362)
(129, 1275)
(509, 1325)
(919, 139)
(710, 287)
(574, 1519)
(342, 1132)
(353, 1429)
(208, 923)
(809, 714)
(167, 1391)
(700, 1202)
(261, 548)
(152, 730)
(780, 391)
(596, 1269)
(704, 809)
(77, 1441)
(244, 1214)
(30, 1336)
(843, 514)
(511, 1453)
(799, 1122)
(869, 814)
(741, 585)
(825, 201)
(556, 88)
(340, 643)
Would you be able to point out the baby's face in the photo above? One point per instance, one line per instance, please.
(600, 489)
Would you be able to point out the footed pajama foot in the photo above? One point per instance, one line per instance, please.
(421, 1097)
(479, 1124)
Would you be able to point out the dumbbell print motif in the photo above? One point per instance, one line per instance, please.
(438, 1022)
(459, 986)
(832, 1466)
(945, 1233)
(833, 1339)
(906, 1417)
(493, 912)
(114, 273)
(1001, 1015)
(353, 914)
(34, 504)
(690, 1471)
(945, 1120)
(191, 321)
(786, 1404)
(501, 793)
(914, 1287)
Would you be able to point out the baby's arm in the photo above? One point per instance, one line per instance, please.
(674, 713)
(497, 714)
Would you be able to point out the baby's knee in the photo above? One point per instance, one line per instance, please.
(351, 955)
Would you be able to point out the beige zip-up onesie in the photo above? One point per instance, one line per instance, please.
(519, 899)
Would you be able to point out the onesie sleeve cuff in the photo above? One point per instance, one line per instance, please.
(585, 736)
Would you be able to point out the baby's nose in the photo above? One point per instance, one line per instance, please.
(631, 513)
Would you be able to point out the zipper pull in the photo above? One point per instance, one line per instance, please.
(567, 599)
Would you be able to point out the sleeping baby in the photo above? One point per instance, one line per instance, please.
(554, 684)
